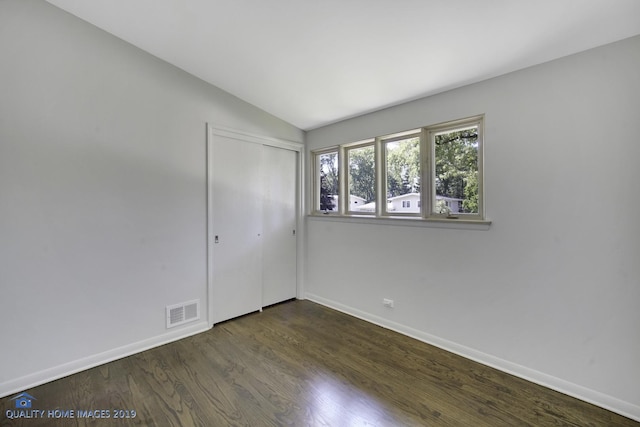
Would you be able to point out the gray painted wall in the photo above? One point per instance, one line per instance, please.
(102, 192)
(551, 290)
(103, 220)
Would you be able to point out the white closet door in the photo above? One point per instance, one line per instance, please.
(279, 225)
(237, 227)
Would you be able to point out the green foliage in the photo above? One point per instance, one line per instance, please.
(456, 169)
(403, 167)
(470, 203)
(362, 173)
(456, 174)
(442, 208)
(328, 180)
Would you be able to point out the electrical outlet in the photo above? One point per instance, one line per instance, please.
(387, 303)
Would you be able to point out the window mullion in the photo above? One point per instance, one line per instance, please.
(480, 168)
(343, 182)
(380, 179)
(317, 183)
(426, 192)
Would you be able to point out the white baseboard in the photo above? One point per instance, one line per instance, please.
(38, 378)
(602, 400)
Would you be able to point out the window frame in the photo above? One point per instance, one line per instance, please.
(430, 134)
(427, 200)
(382, 141)
(344, 189)
(317, 179)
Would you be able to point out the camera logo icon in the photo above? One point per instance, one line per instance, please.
(23, 400)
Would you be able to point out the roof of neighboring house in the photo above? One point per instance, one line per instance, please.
(408, 195)
(448, 198)
(404, 196)
(371, 207)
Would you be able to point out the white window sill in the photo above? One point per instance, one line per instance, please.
(460, 224)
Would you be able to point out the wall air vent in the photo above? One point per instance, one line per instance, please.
(179, 314)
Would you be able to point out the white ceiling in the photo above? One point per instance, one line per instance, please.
(315, 62)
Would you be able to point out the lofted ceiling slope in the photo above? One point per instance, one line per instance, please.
(313, 62)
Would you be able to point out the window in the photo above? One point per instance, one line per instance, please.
(403, 173)
(361, 178)
(455, 161)
(431, 173)
(327, 174)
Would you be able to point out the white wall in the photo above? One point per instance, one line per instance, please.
(102, 192)
(551, 290)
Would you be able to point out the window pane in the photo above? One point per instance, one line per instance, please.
(403, 175)
(328, 167)
(456, 171)
(362, 175)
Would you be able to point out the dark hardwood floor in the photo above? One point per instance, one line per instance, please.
(301, 364)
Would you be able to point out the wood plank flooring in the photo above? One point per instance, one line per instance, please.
(302, 364)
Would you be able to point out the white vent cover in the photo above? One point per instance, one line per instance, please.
(179, 314)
